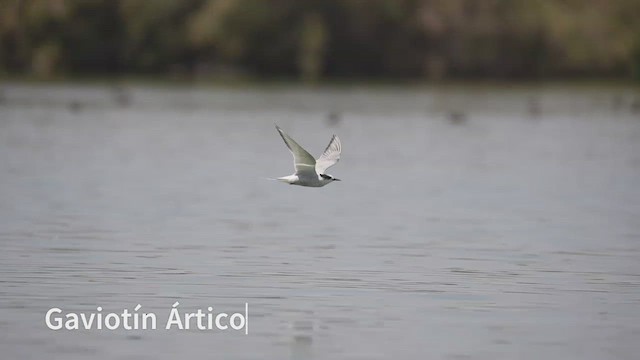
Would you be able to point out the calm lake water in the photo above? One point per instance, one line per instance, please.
(471, 223)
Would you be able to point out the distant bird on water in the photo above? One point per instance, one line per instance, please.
(534, 107)
(75, 106)
(457, 118)
(333, 118)
(309, 171)
(635, 105)
(121, 96)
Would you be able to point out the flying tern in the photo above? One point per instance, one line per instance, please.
(309, 171)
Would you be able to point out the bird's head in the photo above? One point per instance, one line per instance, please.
(329, 177)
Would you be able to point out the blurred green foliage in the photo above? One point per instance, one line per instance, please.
(319, 39)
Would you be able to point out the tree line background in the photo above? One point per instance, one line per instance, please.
(322, 39)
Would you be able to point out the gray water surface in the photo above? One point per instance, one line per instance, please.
(471, 223)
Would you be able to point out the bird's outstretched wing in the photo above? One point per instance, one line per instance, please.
(303, 162)
(330, 156)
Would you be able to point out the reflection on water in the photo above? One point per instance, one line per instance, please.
(511, 234)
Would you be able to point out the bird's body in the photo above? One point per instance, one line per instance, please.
(309, 171)
(314, 181)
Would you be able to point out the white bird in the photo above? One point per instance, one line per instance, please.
(309, 171)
